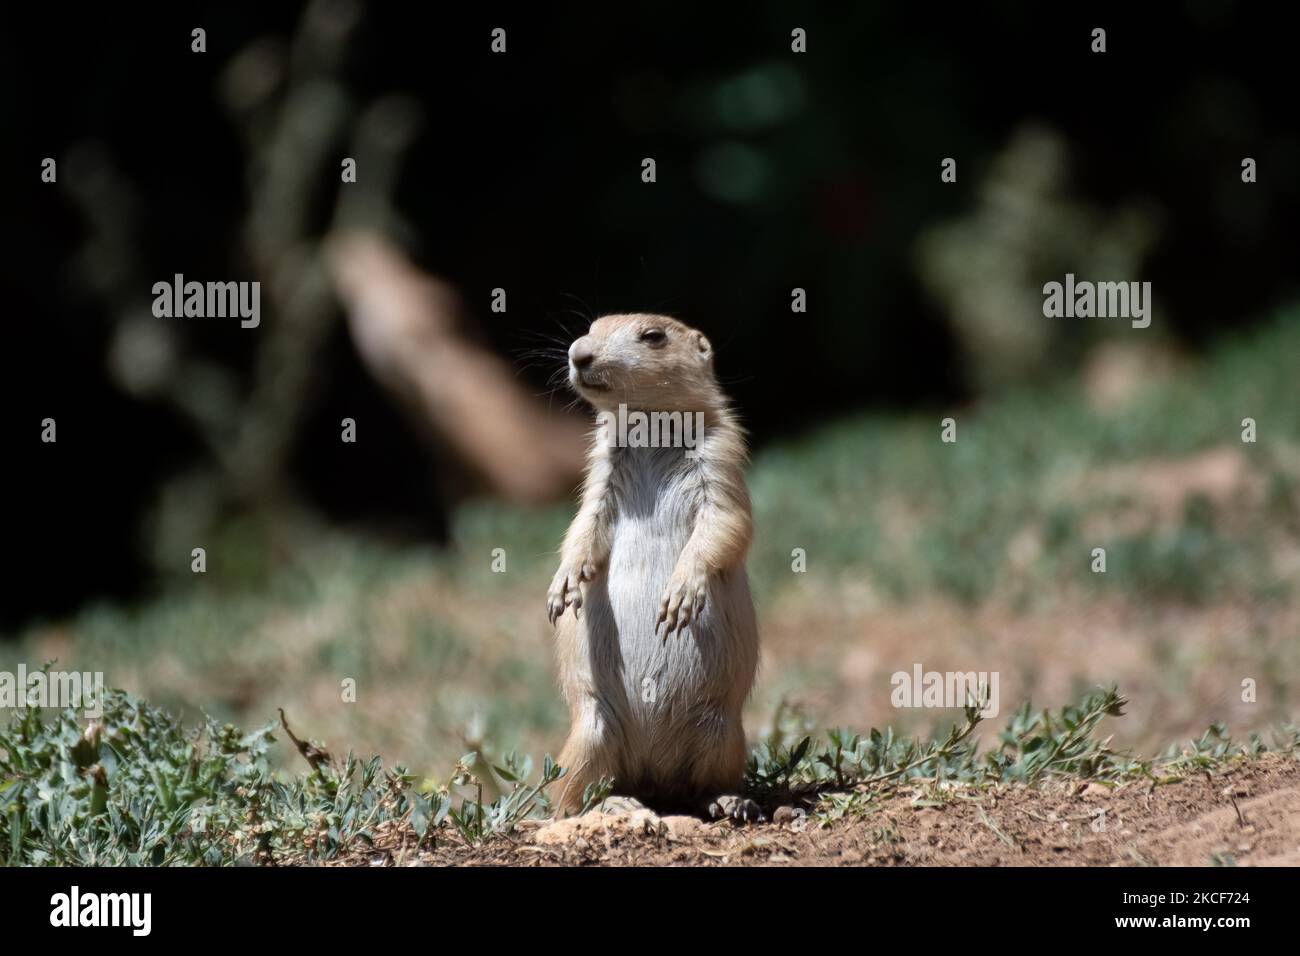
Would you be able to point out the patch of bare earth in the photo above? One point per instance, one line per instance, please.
(1180, 666)
(1246, 812)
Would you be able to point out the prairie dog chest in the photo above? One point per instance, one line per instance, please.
(656, 495)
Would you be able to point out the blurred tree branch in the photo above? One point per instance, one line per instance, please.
(297, 120)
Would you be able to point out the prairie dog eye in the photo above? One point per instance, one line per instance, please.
(654, 336)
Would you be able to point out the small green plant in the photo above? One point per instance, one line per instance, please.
(1216, 745)
(477, 821)
(134, 788)
(1035, 745)
(596, 792)
(845, 772)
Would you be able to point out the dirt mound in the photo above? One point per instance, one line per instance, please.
(1245, 812)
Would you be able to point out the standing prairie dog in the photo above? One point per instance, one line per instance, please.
(660, 648)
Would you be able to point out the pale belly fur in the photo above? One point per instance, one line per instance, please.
(668, 702)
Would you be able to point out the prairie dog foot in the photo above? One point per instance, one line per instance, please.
(737, 809)
(627, 805)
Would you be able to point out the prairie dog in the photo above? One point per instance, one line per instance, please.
(660, 647)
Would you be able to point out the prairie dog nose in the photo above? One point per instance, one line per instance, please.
(581, 354)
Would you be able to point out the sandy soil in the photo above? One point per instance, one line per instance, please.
(1246, 812)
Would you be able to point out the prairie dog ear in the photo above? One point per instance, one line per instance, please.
(703, 347)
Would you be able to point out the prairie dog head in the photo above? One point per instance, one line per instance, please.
(646, 362)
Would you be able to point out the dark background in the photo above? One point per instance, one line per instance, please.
(526, 175)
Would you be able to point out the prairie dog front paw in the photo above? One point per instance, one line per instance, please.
(565, 587)
(683, 599)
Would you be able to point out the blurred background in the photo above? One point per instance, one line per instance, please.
(775, 170)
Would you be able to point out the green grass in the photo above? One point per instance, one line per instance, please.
(134, 787)
(831, 491)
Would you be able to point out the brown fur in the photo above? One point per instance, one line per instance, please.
(660, 650)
